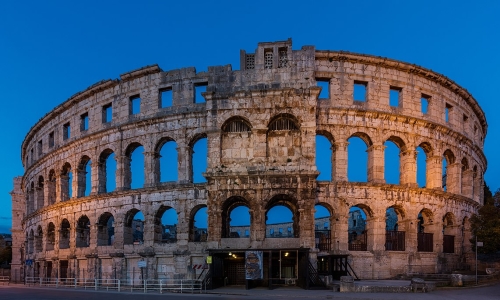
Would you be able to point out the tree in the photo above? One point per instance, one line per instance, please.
(486, 224)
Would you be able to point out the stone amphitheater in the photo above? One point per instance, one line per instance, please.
(260, 124)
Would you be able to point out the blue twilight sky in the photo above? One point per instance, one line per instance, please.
(50, 50)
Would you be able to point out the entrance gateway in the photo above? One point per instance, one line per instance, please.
(280, 267)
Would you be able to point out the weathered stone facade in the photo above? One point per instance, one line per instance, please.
(260, 123)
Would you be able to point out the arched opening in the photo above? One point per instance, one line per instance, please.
(425, 239)
(107, 172)
(166, 221)
(31, 241)
(394, 234)
(356, 229)
(84, 176)
(66, 180)
(168, 161)
(357, 159)
(283, 141)
(449, 233)
(133, 233)
(83, 232)
(134, 167)
(40, 199)
(324, 158)
(106, 230)
(392, 160)
(198, 224)
(31, 197)
(236, 140)
(39, 239)
(199, 160)
(235, 218)
(322, 228)
(282, 218)
(64, 234)
(448, 159)
(52, 187)
(423, 151)
(51, 237)
(465, 178)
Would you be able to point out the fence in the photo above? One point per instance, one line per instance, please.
(146, 286)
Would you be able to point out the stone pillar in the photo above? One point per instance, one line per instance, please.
(18, 213)
(122, 172)
(453, 178)
(341, 243)
(119, 234)
(410, 228)
(81, 183)
(62, 188)
(39, 191)
(467, 183)
(95, 169)
(375, 227)
(436, 228)
(185, 170)
(434, 172)
(408, 168)
(150, 173)
(376, 163)
(339, 162)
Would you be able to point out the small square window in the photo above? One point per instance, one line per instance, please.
(51, 139)
(394, 95)
(324, 84)
(166, 99)
(135, 105)
(465, 118)
(66, 131)
(424, 103)
(359, 91)
(84, 122)
(107, 113)
(199, 89)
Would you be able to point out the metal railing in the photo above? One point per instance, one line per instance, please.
(146, 286)
(4, 279)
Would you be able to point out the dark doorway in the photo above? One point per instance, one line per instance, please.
(63, 266)
(49, 270)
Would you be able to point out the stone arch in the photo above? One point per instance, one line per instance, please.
(167, 161)
(359, 157)
(31, 241)
(357, 227)
(165, 233)
(196, 169)
(323, 227)
(283, 121)
(227, 207)
(65, 182)
(283, 139)
(236, 124)
(134, 167)
(449, 232)
(395, 228)
(39, 239)
(466, 178)
(51, 237)
(105, 173)
(425, 232)
(40, 198)
(423, 164)
(133, 231)
(105, 229)
(51, 186)
(197, 234)
(83, 232)
(31, 197)
(64, 234)
(236, 140)
(394, 164)
(83, 181)
(322, 150)
(447, 173)
(291, 204)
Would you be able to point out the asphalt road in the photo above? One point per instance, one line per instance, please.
(20, 292)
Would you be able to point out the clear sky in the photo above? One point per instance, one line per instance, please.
(50, 50)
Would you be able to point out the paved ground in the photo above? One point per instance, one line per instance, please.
(16, 292)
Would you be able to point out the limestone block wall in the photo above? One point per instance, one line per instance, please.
(260, 123)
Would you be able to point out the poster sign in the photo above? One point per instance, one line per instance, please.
(209, 259)
(480, 244)
(253, 265)
(142, 264)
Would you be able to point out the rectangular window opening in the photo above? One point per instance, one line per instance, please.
(268, 58)
(166, 99)
(394, 96)
(447, 112)
(424, 103)
(199, 89)
(84, 122)
(135, 105)
(324, 84)
(107, 113)
(359, 91)
(51, 139)
(66, 131)
(250, 61)
(283, 58)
